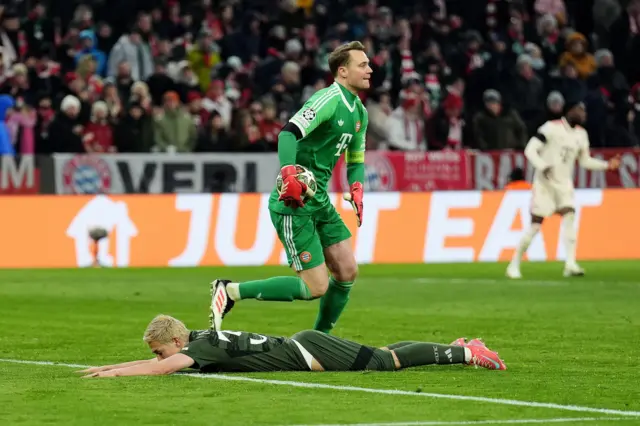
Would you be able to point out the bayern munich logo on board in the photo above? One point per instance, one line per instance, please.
(86, 174)
(379, 174)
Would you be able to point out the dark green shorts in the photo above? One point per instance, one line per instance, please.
(305, 237)
(336, 354)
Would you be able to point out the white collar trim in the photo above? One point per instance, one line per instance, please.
(351, 108)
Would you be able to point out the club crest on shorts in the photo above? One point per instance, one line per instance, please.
(305, 256)
(358, 125)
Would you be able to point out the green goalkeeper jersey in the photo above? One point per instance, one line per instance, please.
(332, 121)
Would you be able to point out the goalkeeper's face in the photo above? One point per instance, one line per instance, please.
(358, 70)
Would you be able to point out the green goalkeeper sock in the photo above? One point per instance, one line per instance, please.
(417, 354)
(332, 304)
(281, 289)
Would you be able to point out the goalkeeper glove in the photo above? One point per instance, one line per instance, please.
(355, 198)
(292, 189)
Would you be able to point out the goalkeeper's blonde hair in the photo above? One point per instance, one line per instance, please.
(164, 328)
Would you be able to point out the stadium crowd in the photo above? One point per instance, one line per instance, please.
(213, 76)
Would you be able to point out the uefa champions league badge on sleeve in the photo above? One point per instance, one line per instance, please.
(309, 114)
(86, 174)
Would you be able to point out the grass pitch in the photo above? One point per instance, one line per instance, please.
(565, 341)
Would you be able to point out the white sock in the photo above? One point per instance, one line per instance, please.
(233, 290)
(467, 355)
(569, 233)
(525, 241)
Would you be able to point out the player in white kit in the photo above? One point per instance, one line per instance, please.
(553, 152)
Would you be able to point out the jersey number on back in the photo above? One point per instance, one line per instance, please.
(345, 139)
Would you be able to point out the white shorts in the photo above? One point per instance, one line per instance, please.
(546, 200)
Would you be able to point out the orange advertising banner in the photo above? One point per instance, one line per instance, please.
(235, 229)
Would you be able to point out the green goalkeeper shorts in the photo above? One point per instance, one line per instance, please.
(305, 237)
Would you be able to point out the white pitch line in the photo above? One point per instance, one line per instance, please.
(483, 422)
(492, 281)
(488, 281)
(371, 390)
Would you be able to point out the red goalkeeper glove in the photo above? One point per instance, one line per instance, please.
(355, 198)
(292, 189)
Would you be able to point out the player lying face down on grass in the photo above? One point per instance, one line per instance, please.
(210, 351)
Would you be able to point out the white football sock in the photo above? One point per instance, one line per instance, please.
(569, 234)
(467, 355)
(525, 241)
(233, 290)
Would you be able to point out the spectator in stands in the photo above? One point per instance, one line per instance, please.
(21, 123)
(406, 126)
(18, 85)
(132, 50)
(380, 109)
(620, 131)
(97, 135)
(528, 94)
(186, 81)
(215, 137)
(445, 128)
(105, 37)
(65, 131)
(174, 130)
(215, 100)
(89, 46)
(203, 57)
(578, 55)
(550, 7)
(266, 117)
(6, 145)
(199, 115)
(113, 100)
(286, 90)
(45, 115)
(496, 127)
(609, 80)
(550, 40)
(10, 37)
(135, 131)
(555, 106)
(123, 80)
(245, 133)
(624, 39)
(140, 90)
(38, 28)
(537, 60)
(160, 83)
(569, 83)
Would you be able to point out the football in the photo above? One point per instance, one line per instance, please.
(305, 176)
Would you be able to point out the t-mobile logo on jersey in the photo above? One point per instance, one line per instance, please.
(111, 215)
(345, 139)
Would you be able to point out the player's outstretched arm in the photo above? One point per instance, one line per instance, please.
(115, 366)
(590, 163)
(169, 365)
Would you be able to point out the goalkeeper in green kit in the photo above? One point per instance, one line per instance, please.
(332, 122)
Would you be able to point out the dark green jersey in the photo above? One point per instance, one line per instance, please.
(236, 351)
(332, 121)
